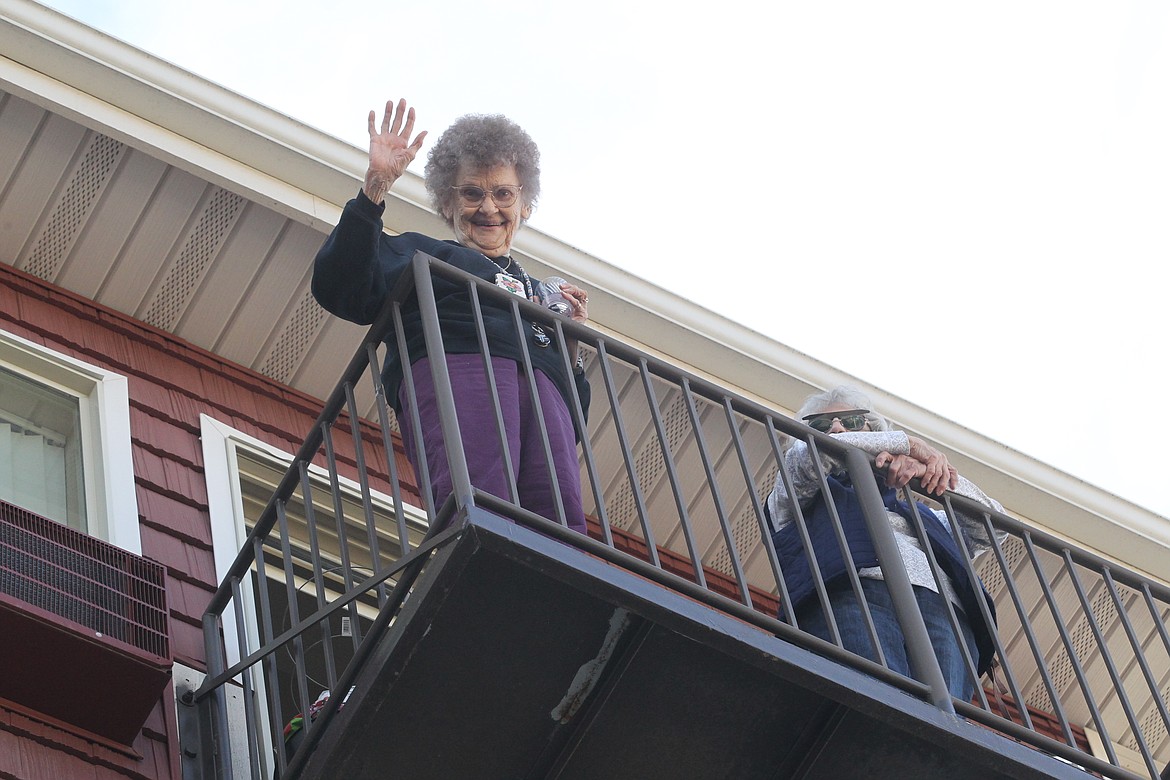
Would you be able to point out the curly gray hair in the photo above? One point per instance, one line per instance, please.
(481, 141)
(847, 396)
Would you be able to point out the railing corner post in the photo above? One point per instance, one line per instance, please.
(923, 661)
(444, 397)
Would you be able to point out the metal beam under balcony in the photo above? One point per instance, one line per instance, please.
(518, 656)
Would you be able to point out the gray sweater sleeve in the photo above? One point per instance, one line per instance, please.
(799, 464)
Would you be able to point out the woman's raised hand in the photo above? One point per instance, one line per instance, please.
(391, 149)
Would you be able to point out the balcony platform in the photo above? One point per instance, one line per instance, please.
(517, 656)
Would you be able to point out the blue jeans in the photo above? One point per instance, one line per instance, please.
(855, 638)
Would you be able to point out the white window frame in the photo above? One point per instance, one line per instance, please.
(111, 499)
(225, 505)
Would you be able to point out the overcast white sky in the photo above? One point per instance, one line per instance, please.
(977, 192)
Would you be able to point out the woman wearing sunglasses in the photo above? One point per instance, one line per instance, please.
(483, 178)
(846, 414)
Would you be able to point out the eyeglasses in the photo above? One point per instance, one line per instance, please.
(851, 420)
(503, 196)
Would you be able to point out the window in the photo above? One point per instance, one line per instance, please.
(65, 448)
(40, 450)
(242, 474)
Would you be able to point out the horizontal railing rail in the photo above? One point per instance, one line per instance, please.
(675, 472)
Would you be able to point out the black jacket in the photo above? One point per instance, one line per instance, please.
(359, 264)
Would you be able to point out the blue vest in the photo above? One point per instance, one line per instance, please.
(795, 564)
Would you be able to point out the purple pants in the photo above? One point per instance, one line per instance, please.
(481, 439)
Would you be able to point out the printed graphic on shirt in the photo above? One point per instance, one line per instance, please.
(511, 284)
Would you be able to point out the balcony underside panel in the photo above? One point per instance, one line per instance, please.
(516, 656)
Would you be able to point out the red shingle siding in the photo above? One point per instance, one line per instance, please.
(185, 519)
(11, 764)
(242, 400)
(187, 641)
(168, 477)
(181, 558)
(164, 437)
(185, 597)
(36, 749)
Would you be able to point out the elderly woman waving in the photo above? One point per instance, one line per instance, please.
(483, 177)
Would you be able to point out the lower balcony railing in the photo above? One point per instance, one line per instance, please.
(676, 471)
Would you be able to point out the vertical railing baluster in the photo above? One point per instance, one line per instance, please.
(956, 531)
(1030, 636)
(422, 469)
(216, 666)
(923, 662)
(1054, 609)
(578, 415)
(1159, 623)
(802, 529)
(538, 412)
(382, 405)
(938, 574)
(340, 522)
(717, 494)
(269, 674)
(672, 473)
(985, 615)
(748, 480)
(461, 486)
(846, 555)
(318, 577)
(252, 725)
(1139, 656)
(291, 593)
(363, 478)
(490, 376)
(627, 455)
(1107, 659)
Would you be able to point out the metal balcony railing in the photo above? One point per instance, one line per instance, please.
(676, 470)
